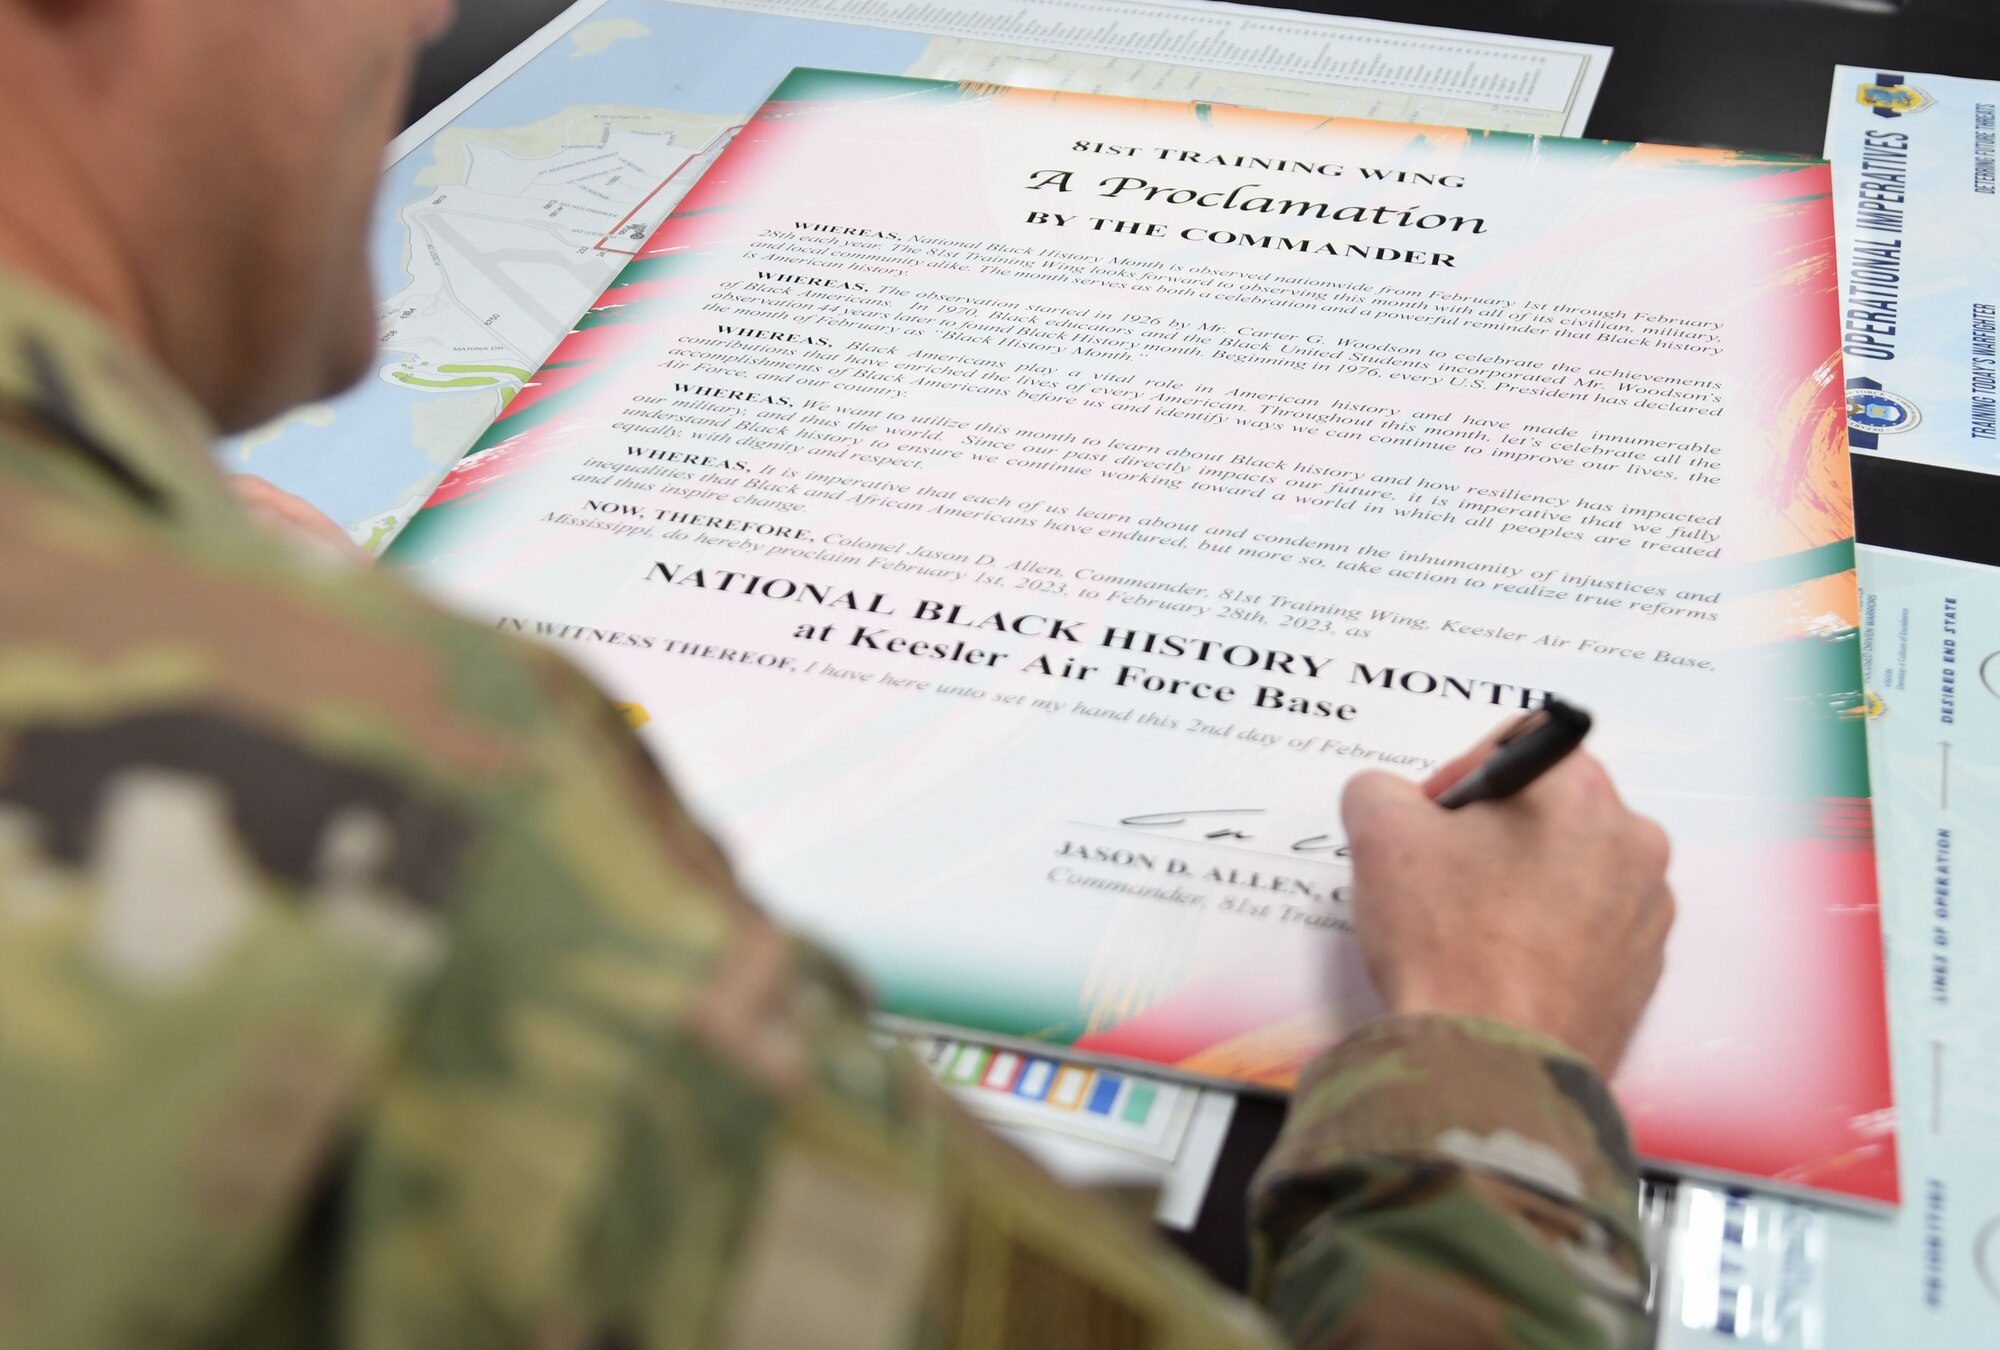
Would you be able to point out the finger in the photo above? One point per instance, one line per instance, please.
(1653, 844)
(250, 489)
(311, 526)
(1451, 772)
(1577, 787)
(276, 506)
(1373, 795)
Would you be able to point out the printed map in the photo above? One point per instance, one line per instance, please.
(491, 238)
(496, 233)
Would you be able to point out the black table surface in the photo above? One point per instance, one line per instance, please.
(1748, 74)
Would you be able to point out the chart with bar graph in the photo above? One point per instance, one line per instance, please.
(1140, 1115)
(1508, 72)
(1090, 1126)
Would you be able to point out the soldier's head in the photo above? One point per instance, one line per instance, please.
(201, 171)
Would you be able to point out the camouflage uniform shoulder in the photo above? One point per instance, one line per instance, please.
(250, 798)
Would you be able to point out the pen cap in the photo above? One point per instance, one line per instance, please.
(1536, 744)
(1569, 720)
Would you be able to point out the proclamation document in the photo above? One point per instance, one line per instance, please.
(1012, 516)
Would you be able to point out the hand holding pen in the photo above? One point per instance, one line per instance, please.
(1523, 846)
(1524, 752)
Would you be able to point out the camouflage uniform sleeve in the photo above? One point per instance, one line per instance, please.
(632, 1112)
(1451, 1182)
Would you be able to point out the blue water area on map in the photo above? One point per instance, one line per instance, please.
(695, 60)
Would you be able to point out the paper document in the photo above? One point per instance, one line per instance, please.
(1019, 512)
(1437, 74)
(510, 208)
(1913, 171)
(1759, 1271)
(1737, 1268)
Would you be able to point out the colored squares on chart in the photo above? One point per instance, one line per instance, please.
(1071, 1084)
(1127, 1098)
(1036, 1079)
(1022, 1090)
(968, 1066)
(1003, 1072)
(1139, 1103)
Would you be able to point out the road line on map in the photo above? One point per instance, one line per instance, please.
(633, 253)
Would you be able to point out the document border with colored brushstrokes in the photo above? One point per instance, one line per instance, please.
(1761, 771)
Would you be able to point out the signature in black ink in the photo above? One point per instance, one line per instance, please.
(1207, 828)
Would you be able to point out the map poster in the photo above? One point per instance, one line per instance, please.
(1012, 515)
(1919, 219)
(509, 208)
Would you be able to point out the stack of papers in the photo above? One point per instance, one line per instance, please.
(508, 210)
(1919, 221)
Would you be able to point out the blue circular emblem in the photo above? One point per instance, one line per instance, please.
(1878, 410)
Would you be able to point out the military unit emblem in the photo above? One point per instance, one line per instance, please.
(1878, 410)
(1890, 97)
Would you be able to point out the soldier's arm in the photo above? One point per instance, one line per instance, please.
(1457, 1174)
(364, 985)
(1452, 1182)
(746, 1168)
(383, 994)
